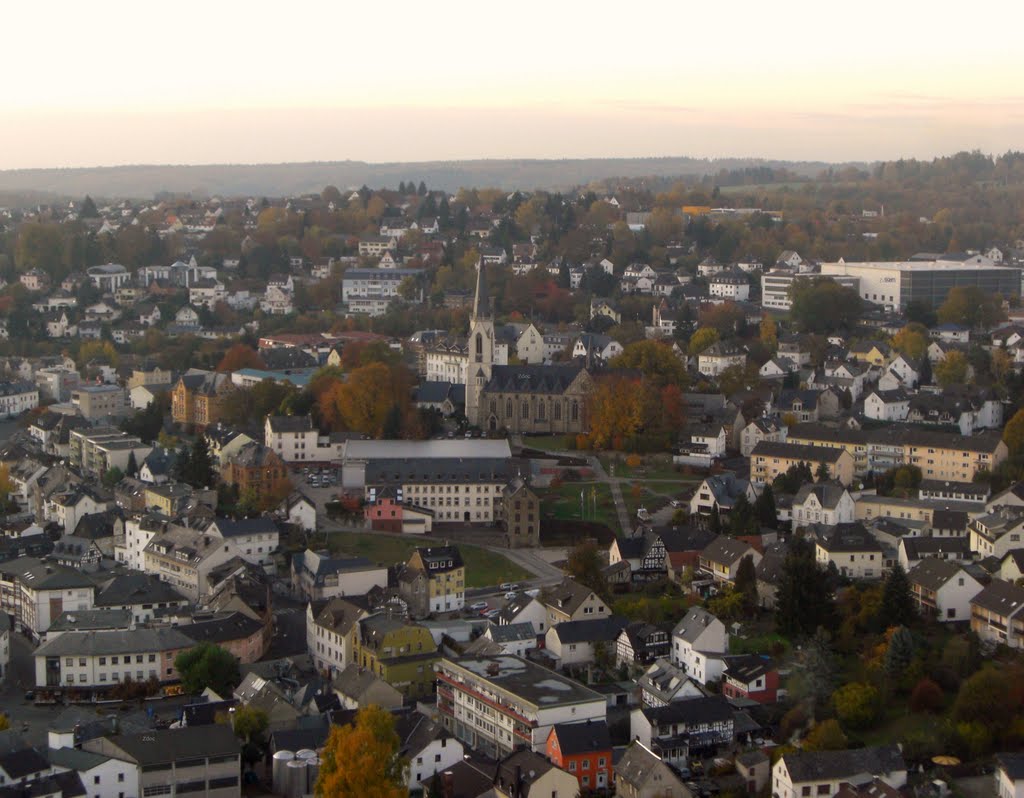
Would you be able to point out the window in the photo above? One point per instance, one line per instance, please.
(572, 766)
(824, 789)
(95, 779)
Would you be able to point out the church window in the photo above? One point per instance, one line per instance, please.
(558, 411)
(494, 406)
(540, 410)
(508, 408)
(479, 348)
(526, 410)
(575, 411)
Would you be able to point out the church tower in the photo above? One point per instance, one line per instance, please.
(480, 351)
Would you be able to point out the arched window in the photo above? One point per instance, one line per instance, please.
(558, 410)
(540, 410)
(575, 410)
(494, 406)
(508, 408)
(479, 348)
(526, 410)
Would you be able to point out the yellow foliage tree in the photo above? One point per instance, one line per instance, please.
(769, 334)
(362, 402)
(952, 369)
(702, 339)
(616, 411)
(912, 340)
(362, 759)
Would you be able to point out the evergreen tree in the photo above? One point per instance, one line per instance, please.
(444, 213)
(746, 582)
(200, 466)
(822, 473)
(743, 518)
(897, 601)
(818, 668)
(392, 428)
(804, 598)
(89, 209)
(182, 468)
(926, 371)
(899, 653)
(765, 507)
(422, 190)
(715, 521)
(132, 467)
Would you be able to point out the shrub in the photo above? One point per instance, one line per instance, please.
(857, 704)
(927, 696)
(792, 721)
(633, 461)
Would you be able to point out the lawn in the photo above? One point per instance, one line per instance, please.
(483, 568)
(564, 503)
(550, 443)
(899, 724)
(653, 467)
(757, 643)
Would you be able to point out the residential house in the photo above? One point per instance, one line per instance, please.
(719, 493)
(699, 645)
(720, 356)
(641, 643)
(433, 580)
(198, 397)
(943, 590)
(35, 593)
(822, 503)
(680, 729)
(721, 558)
(584, 749)
(357, 687)
(997, 614)
(577, 643)
(316, 576)
(662, 683)
(641, 773)
(401, 653)
(571, 601)
(854, 551)
(257, 470)
(184, 557)
(330, 635)
(142, 595)
(752, 678)
(822, 773)
(427, 747)
(893, 405)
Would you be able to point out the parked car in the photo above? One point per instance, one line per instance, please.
(492, 613)
(510, 595)
(478, 606)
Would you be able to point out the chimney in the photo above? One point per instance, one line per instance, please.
(448, 784)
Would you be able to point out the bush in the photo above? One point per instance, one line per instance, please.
(633, 461)
(791, 722)
(826, 736)
(927, 696)
(857, 704)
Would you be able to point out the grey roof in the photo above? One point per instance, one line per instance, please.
(230, 528)
(19, 764)
(726, 550)
(511, 632)
(567, 596)
(827, 493)
(171, 745)
(918, 548)
(581, 738)
(836, 765)
(233, 626)
(76, 759)
(321, 566)
(592, 630)
(797, 451)
(532, 683)
(437, 470)
(932, 573)
(39, 575)
(83, 620)
(848, 537)
(137, 588)
(1002, 598)
(693, 624)
(691, 712)
(290, 423)
(638, 764)
(114, 642)
(534, 379)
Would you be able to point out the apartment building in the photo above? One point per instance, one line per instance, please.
(99, 401)
(769, 459)
(184, 558)
(292, 438)
(401, 653)
(853, 550)
(330, 635)
(34, 593)
(433, 581)
(97, 449)
(497, 704)
(822, 773)
(198, 397)
(17, 397)
(99, 660)
(254, 539)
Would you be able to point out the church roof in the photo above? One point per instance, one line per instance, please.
(481, 304)
(532, 379)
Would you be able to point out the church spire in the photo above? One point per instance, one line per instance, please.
(481, 303)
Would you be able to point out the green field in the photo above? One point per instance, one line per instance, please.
(652, 467)
(550, 443)
(564, 504)
(483, 568)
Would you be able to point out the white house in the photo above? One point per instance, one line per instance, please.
(699, 645)
(891, 405)
(292, 438)
(720, 356)
(943, 590)
(822, 503)
(821, 773)
(1010, 775)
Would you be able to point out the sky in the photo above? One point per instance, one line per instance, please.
(109, 83)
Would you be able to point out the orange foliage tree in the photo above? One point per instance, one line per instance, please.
(240, 356)
(363, 401)
(362, 759)
(616, 411)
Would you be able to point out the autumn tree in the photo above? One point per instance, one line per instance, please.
(240, 356)
(615, 411)
(362, 403)
(857, 704)
(952, 369)
(821, 305)
(702, 339)
(897, 600)
(970, 306)
(1001, 364)
(249, 723)
(911, 341)
(769, 334)
(362, 760)
(1013, 433)
(655, 360)
(826, 736)
(586, 565)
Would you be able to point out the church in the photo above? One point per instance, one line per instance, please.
(527, 399)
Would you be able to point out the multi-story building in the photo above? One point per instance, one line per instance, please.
(943, 590)
(699, 645)
(316, 576)
(571, 601)
(142, 595)
(433, 581)
(677, 729)
(401, 653)
(99, 401)
(775, 290)
(498, 704)
(254, 539)
(199, 760)
(97, 449)
(854, 551)
(456, 489)
(997, 614)
(99, 660)
(583, 749)
(184, 557)
(769, 459)
(822, 503)
(997, 533)
(17, 397)
(292, 438)
(374, 283)
(331, 635)
(109, 277)
(198, 397)
(34, 593)
(258, 470)
(521, 514)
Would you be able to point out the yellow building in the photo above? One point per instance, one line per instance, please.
(769, 459)
(434, 580)
(401, 653)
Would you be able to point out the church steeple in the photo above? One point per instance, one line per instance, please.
(481, 302)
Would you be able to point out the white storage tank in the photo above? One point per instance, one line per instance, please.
(296, 778)
(279, 771)
(312, 774)
(305, 753)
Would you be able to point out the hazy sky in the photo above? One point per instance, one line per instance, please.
(108, 83)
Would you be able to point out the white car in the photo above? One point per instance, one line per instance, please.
(510, 595)
(477, 606)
